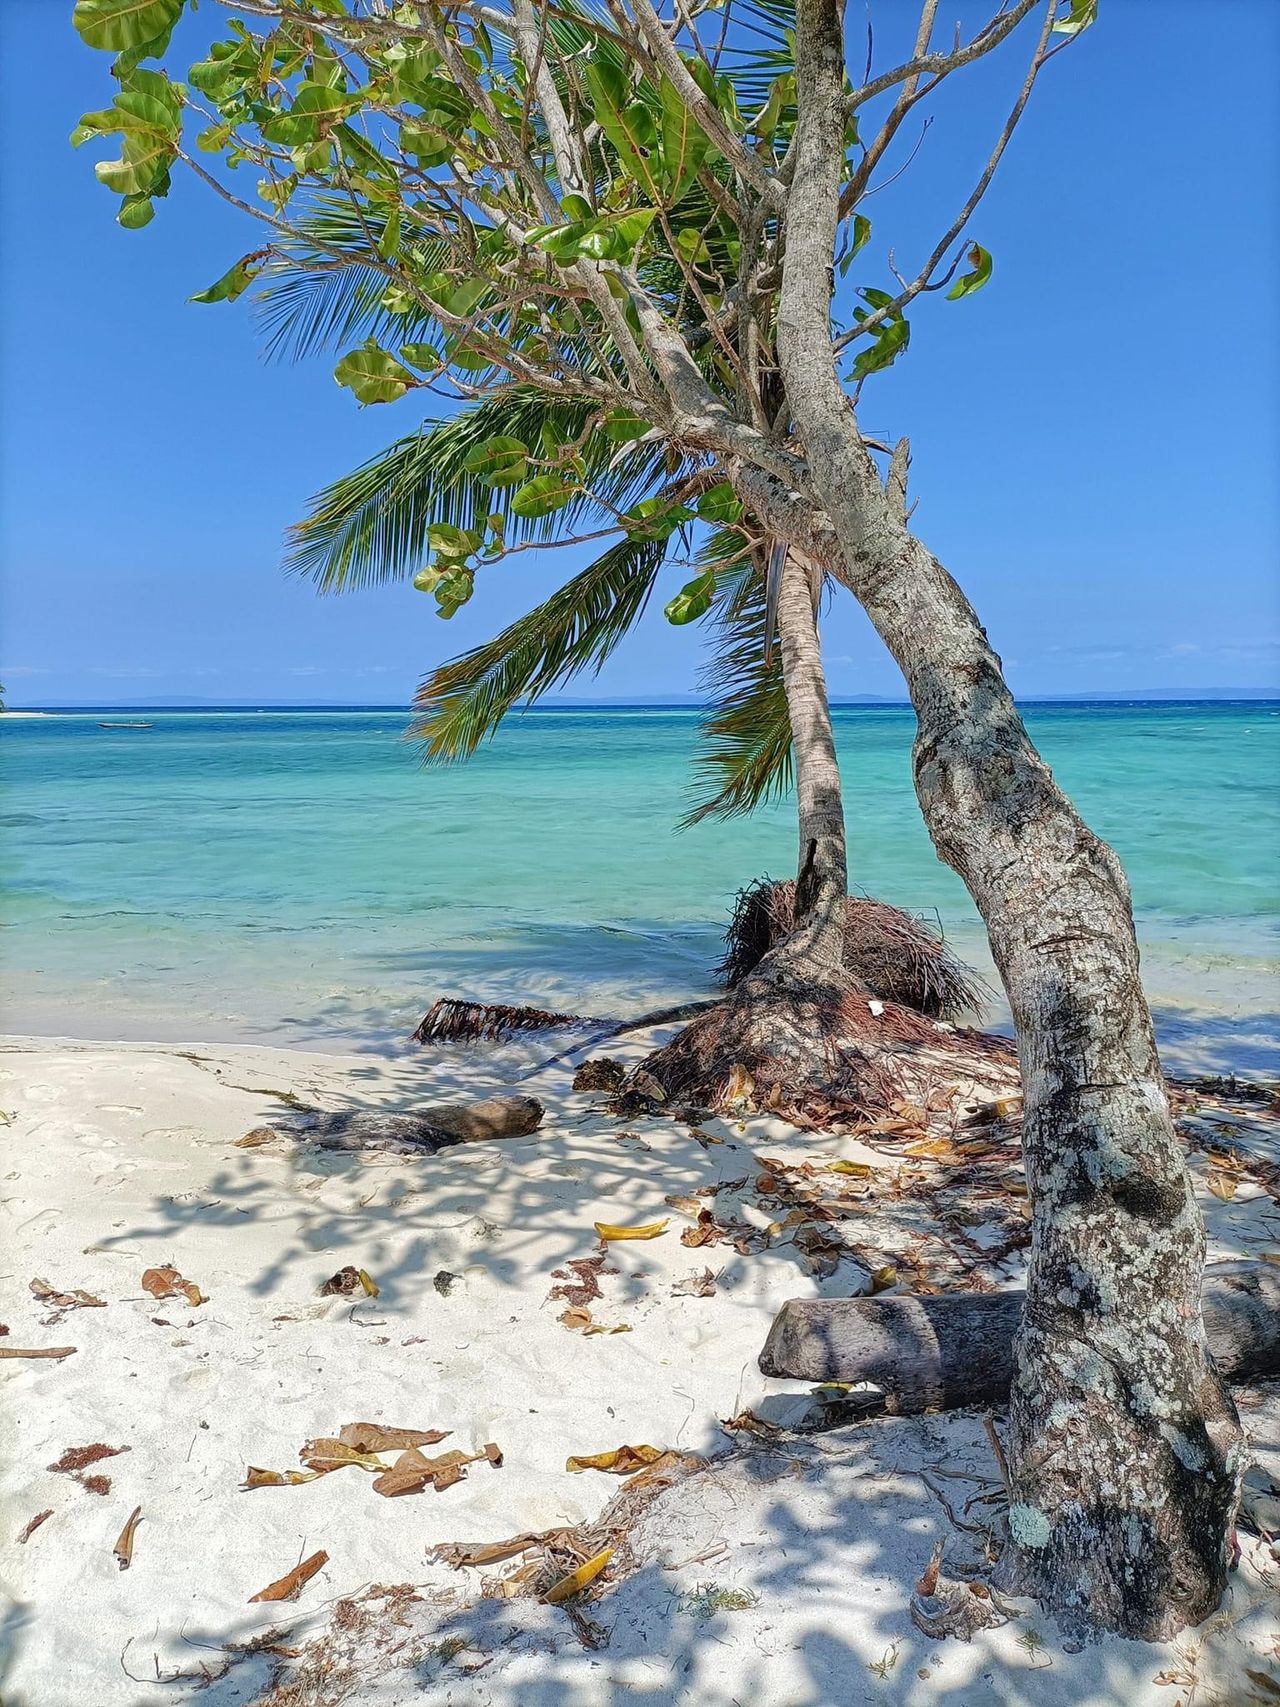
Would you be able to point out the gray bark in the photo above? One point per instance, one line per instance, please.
(821, 873)
(423, 1131)
(1125, 1447)
(938, 1353)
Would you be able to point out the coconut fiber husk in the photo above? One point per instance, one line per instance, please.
(894, 955)
(449, 1021)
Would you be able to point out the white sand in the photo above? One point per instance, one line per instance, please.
(120, 1158)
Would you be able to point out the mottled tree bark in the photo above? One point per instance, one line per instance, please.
(822, 882)
(1126, 1450)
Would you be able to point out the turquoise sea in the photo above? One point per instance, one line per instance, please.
(297, 877)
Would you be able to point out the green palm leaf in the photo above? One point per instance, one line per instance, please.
(462, 703)
(746, 731)
(371, 526)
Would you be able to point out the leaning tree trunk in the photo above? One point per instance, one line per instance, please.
(1126, 1451)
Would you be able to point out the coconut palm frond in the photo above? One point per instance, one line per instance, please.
(311, 299)
(463, 702)
(371, 526)
(747, 733)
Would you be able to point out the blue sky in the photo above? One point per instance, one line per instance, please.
(1095, 434)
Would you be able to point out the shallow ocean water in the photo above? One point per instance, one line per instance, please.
(297, 877)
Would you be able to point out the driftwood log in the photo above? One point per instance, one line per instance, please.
(938, 1353)
(426, 1130)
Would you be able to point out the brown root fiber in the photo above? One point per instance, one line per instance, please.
(813, 1053)
(894, 954)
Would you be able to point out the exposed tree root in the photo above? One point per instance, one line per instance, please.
(896, 955)
(817, 1051)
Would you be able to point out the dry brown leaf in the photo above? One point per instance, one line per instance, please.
(373, 1437)
(413, 1470)
(252, 1140)
(1222, 1185)
(77, 1299)
(577, 1318)
(707, 1232)
(696, 1286)
(459, 1553)
(36, 1521)
(54, 1351)
(324, 1455)
(577, 1580)
(255, 1478)
(168, 1283)
(623, 1460)
(740, 1085)
(686, 1205)
(123, 1548)
(289, 1586)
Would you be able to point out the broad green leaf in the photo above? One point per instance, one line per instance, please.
(543, 495)
(315, 106)
(104, 123)
(610, 96)
(451, 541)
(1080, 14)
(233, 282)
(693, 247)
(877, 298)
(576, 207)
(967, 283)
(135, 212)
(692, 601)
(500, 461)
(891, 340)
(655, 518)
(622, 427)
(119, 24)
(374, 375)
(423, 356)
(720, 505)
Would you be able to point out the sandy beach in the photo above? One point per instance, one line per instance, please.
(770, 1563)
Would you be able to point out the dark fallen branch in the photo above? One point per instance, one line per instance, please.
(426, 1130)
(938, 1353)
(450, 1021)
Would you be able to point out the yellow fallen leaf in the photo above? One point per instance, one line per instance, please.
(370, 1285)
(651, 1230)
(577, 1580)
(1222, 1186)
(859, 1170)
(622, 1461)
(883, 1278)
(600, 1328)
(326, 1454)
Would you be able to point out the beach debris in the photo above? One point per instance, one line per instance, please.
(696, 1285)
(76, 1459)
(626, 1460)
(123, 1548)
(4, 1329)
(602, 1073)
(1222, 1184)
(348, 1281)
(424, 1131)
(608, 1232)
(586, 1288)
(577, 1580)
(413, 1470)
(686, 1205)
(166, 1282)
(34, 1524)
(580, 1320)
(942, 1607)
(445, 1282)
(747, 1422)
(54, 1351)
(77, 1299)
(707, 1599)
(706, 1231)
(290, 1586)
(453, 1021)
(458, 1554)
(357, 1446)
(255, 1139)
